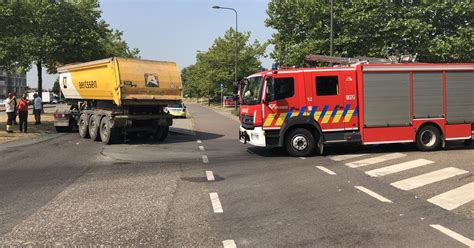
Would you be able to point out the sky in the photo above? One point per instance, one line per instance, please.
(173, 30)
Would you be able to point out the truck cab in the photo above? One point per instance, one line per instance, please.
(292, 108)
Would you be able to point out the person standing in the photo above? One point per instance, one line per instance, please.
(23, 112)
(15, 105)
(10, 109)
(37, 108)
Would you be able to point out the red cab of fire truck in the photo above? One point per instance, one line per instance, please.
(305, 109)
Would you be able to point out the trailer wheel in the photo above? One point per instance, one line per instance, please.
(94, 127)
(83, 126)
(428, 138)
(107, 134)
(300, 143)
(161, 133)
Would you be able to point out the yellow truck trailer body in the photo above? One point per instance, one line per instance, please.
(123, 81)
(115, 98)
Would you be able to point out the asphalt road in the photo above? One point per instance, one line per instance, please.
(209, 190)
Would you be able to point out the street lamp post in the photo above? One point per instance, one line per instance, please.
(236, 43)
(209, 86)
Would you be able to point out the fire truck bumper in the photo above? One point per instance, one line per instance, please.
(254, 137)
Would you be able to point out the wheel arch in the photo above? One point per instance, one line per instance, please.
(430, 123)
(306, 122)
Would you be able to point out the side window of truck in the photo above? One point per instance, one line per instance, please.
(327, 86)
(284, 88)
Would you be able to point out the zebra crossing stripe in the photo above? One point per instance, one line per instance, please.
(345, 157)
(375, 160)
(398, 167)
(454, 198)
(428, 178)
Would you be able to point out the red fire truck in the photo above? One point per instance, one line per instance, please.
(304, 109)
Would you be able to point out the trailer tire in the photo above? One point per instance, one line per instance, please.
(94, 130)
(83, 126)
(161, 133)
(300, 142)
(428, 138)
(108, 134)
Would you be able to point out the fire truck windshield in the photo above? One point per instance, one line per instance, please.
(252, 91)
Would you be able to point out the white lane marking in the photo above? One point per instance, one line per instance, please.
(303, 158)
(205, 159)
(216, 204)
(210, 176)
(454, 235)
(201, 148)
(230, 243)
(431, 177)
(398, 167)
(345, 157)
(199, 141)
(330, 172)
(454, 198)
(373, 194)
(375, 160)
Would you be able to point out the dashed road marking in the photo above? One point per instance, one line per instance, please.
(230, 243)
(201, 148)
(398, 167)
(330, 172)
(428, 178)
(205, 159)
(373, 194)
(375, 160)
(454, 235)
(199, 141)
(210, 176)
(454, 198)
(216, 203)
(345, 157)
(303, 158)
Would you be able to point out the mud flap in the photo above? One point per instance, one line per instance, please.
(320, 145)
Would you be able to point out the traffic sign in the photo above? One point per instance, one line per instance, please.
(222, 86)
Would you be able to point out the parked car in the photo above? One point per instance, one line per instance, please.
(2, 102)
(177, 110)
(229, 101)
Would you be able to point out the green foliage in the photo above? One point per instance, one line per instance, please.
(437, 31)
(53, 33)
(56, 88)
(217, 64)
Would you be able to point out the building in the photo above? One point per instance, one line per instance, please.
(12, 82)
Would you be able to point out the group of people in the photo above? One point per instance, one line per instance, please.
(19, 107)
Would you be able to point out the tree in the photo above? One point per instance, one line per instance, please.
(217, 64)
(52, 33)
(437, 31)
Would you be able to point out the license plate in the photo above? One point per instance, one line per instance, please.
(242, 137)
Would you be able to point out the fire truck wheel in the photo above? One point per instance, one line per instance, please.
(83, 127)
(300, 143)
(94, 127)
(428, 138)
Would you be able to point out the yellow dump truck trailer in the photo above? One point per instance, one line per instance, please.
(116, 97)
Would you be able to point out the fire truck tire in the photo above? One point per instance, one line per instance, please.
(83, 126)
(428, 138)
(300, 142)
(94, 130)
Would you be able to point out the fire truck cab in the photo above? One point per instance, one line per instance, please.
(304, 109)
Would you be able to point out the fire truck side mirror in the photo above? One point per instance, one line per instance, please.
(270, 91)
